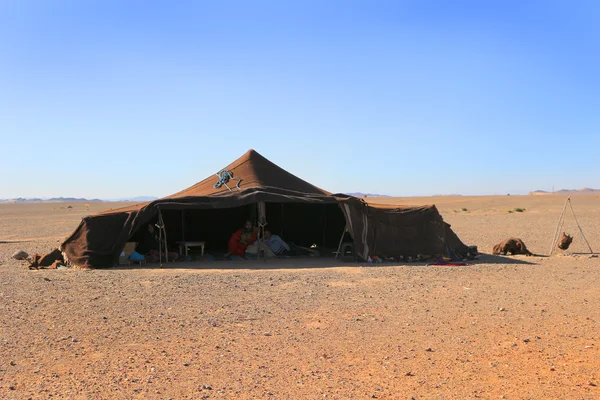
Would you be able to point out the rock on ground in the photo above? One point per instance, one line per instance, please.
(20, 255)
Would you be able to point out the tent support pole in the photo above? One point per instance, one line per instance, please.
(337, 253)
(182, 234)
(162, 226)
(183, 225)
(262, 221)
(324, 225)
(282, 223)
(160, 245)
(258, 247)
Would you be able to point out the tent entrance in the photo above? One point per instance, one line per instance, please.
(306, 224)
(299, 223)
(213, 226)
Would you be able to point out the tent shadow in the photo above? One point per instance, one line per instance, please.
(308, 263)
(270, 264)
(498, 259)
(16, 241)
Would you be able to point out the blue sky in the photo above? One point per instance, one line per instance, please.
(124, 98)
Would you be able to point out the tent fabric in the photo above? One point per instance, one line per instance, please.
(375, 229)
(395, 231)
(255, 172)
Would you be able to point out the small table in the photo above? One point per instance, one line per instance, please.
(186, 245)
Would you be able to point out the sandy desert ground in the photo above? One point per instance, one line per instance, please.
(504, 327)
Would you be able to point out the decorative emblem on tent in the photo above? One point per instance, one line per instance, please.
(224, 177)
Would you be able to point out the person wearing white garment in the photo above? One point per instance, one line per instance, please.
(276, 244)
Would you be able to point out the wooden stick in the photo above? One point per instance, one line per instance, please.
(183, 225)
(581, 230)
(324, 225)
(557, 234)
(560, 219)
(281, 224)
(337, 253)
(262, 222)
(162, 224)
(166, 248)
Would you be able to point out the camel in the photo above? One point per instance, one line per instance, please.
(512, 246)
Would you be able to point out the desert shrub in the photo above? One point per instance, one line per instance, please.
(519, 209)
(463, 209)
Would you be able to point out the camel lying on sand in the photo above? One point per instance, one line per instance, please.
(512, 246)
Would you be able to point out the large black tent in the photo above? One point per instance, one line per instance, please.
(290, 206)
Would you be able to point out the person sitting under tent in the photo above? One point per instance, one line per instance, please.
(148, 244)
(253, 250)
(276, 244)
(241, 239)
(272, 246)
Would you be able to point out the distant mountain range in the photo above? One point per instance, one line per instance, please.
(137, 198)
(20, 200)
(140, 199)
(567, 191)
(359, 194)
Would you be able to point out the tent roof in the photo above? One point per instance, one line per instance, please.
(256, 173)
